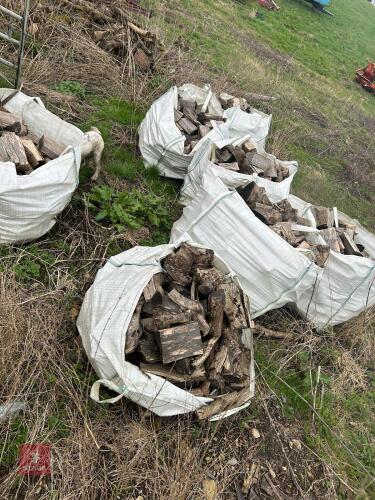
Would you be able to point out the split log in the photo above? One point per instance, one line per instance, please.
(207, 117)
(50, 148)
(10, 122)
(191, 305)
(202, 258)
(233, 166)
(248, 146)
(170, 374)
(216, 305)
(178, 265)
(252, 193)
(323, 217)
(180, 342)
(187, 126)
(321, 254)
(198, 362)
(11, 149)
(349, 244)
(332, 238)
(222, 403)
(203, 130)
(208, 279)
(32, 152)
(217, 363)
(134, 329)
(224, 155)
(267, 214)
(233, 307)
(148, 349)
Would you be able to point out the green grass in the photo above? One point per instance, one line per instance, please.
(322, 118)
(343, 421)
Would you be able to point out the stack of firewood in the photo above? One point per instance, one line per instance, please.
(196, 124)
(19, 146)
(282, 218)
(187, 328)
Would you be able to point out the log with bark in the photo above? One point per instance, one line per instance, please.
(21, 147)
(187, 328)
(285, 221)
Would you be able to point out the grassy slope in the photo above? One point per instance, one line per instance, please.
(322, 119)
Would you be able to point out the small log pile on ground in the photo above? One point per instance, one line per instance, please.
(21, 147)
(282, 218)
(187, 328)
(116, 32)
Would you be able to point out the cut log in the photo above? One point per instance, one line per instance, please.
(32, 153)
(222, 403)
(260, 161)
(167, 320)
(323, 217)
(148, 348)
(349, 244)
(191, 305)
(233, 307)
(11, 149)
(50, 148)
(169, 373)
(331, 238)
(248, 146)
(224, 155)
(202, 258)
(187, 126)
(207, 117)
(217, 363)
(252, 193)
(216, 305)
(177, 115)
(153, 291)
(321, 254)
(267, 214)
(208, 279)
(203, 130)
(10, 122)
(178, 265)
(183, 341)
(188, 104)
(230, 166)
(134, 329)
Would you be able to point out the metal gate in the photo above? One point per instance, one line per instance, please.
(21, 23)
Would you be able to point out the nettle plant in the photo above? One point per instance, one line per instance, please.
(128, 209)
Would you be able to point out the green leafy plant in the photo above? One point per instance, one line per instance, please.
(71, 87)
(132, 209)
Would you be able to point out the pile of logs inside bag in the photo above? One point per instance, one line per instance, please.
(21, 147)
(196, 124)
(187, 328)
(334, 233)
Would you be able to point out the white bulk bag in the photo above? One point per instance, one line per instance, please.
(103, 321)
(30, 203)
(162, 144)
(276, 191)
(270, 270)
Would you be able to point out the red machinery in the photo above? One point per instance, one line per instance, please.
(366, 77)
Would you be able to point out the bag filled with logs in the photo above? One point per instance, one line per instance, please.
(264, 169)
(39, 166)
(183, 118)
(288, 252)
(169, 328)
